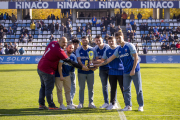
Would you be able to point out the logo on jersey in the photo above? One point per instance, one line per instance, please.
(124, 55)
(119, 51)
(81, 53)
(125, 50)
(109, 53)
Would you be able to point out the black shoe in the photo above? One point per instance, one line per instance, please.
(42, 107)
(54, 108)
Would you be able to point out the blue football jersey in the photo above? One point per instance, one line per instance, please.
(125, 54)
(99, 53)
(66, 68)
(83, 54)
(115, 66)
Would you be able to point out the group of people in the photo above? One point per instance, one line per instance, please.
(117, 60)
(11, 49)
(172, 46)
(157, 34)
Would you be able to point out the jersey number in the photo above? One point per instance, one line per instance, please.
(47, 51)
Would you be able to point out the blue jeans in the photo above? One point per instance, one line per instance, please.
(1, 40)
(127, 79)
(128, 29)
(47, 86)
(82, 78)
(73, 85)
(104, 80)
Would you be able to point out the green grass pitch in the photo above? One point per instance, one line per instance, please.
(20, 84)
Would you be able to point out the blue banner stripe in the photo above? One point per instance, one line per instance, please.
(92, 5)
(142, 59)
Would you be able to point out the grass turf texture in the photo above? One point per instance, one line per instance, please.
(20, 84)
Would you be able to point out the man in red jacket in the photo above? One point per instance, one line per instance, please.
(46, 70)
(178, 45)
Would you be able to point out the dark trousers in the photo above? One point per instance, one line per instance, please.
(113, 83)
(94, 24)
(47, 86)
(124, 21)
(32, 31)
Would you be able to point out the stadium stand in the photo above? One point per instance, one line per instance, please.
(40, 42)
(154, 46)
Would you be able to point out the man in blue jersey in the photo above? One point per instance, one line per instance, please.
(128, 54)
(63, 79)
(76, 44)
(115, 71)
(103, 70)
(72, 72)
(83, 76)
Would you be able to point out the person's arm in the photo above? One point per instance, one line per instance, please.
(134, 64)
(106, 61)
(60, 71)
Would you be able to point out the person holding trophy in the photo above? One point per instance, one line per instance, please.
(85, 56)
(115, 71)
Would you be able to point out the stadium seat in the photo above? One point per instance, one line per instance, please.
(86, 21)
(142, 32)
(127, 20)
(98, 32)
(158, 24)
(154, 24)
(153, 20)
(155, 52)
(140, 21)
(157, 20)
(146, 32)
(136, 21)
(98, 28)
(77, 21)
(81, 21)
(93, 32)
(162, 24)
(93, 28)
(137, 32)
(166, 24)
(148, 21)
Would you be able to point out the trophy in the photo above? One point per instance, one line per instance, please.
(91, 56)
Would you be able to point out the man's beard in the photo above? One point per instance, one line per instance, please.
(69, 52)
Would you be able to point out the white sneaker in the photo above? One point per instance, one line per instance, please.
(105, 105)
(80, 106)
(140, 108)
(91, 105)
(127, 108)
(63, 107)
(70, 107)
(110, 107)
(116, 105)
(75, 105)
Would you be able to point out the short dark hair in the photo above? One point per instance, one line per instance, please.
(98, 36)
(118, 34)
(70, 43)
(84, 37)
(111, 38)
(75, 41)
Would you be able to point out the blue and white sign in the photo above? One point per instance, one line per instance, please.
(142, 59)
(19, 59)
(163, 59)
(90, 5)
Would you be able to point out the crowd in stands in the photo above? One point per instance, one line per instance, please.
(11, 49)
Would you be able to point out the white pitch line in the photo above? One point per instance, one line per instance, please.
(87, 115)
(59, 115)
(121, 113)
